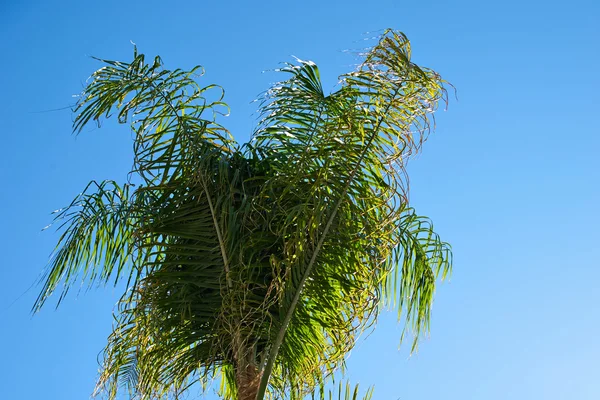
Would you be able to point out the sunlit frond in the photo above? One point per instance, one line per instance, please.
(340, 162)
(98, 240)
(167, 111)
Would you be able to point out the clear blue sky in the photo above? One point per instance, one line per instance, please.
(510, 178)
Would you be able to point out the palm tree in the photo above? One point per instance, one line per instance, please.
(259, 263)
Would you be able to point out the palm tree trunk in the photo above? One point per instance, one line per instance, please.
(247, 377)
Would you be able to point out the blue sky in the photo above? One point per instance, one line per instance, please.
(510, 178)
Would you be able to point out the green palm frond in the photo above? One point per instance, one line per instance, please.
(99, 238)
(167, 110)
(421, 257)
(176, 305)
(342, 204)
(260, 264)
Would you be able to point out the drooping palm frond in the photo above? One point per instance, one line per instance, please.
(167, 109)
(170, 319)
(183, 321)
(340, 162)
(171, 229)
(98, 239)
(171, 138)
(421, 257)
(261, 264)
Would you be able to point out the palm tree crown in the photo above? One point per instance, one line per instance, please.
(259, 263)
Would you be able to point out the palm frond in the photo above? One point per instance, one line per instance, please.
(99, 238)
(168, 322)
(341, 205)
(177, 310)
(421, 257)
(167, 110)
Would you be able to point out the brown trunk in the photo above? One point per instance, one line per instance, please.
(248, 379)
